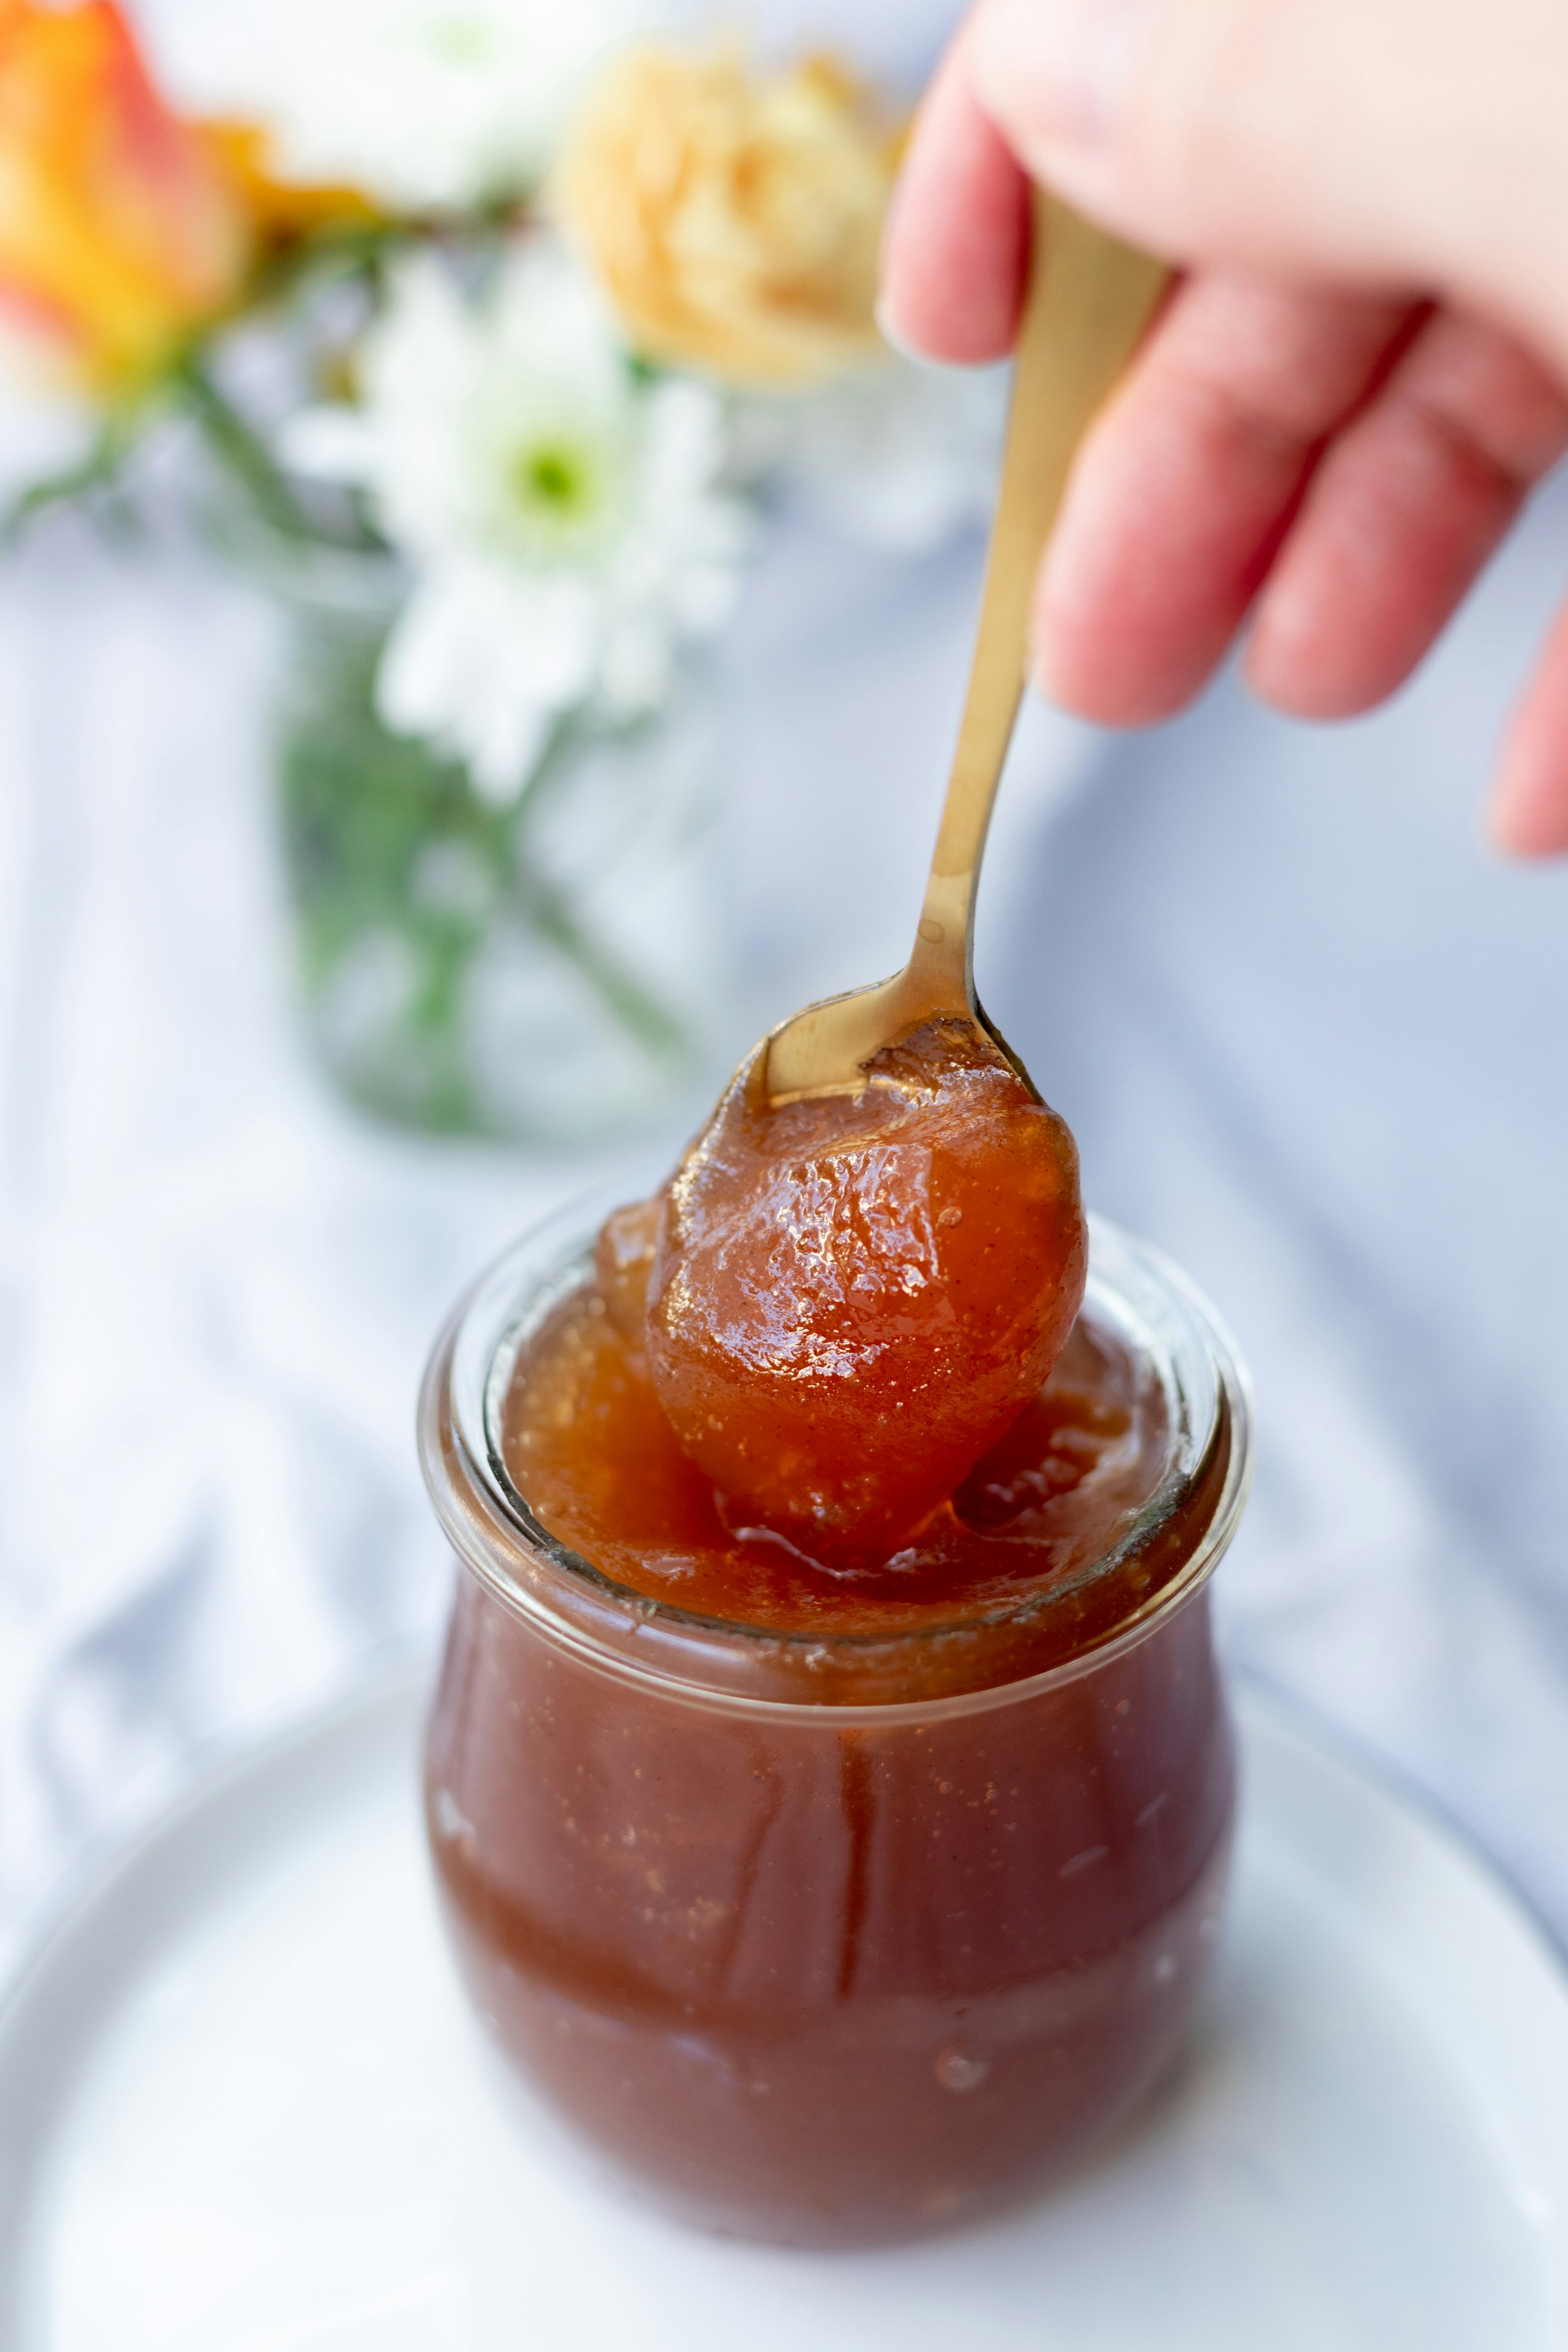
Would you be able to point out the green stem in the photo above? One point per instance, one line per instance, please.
(627, 999)
(95, 471)
(237, 444)
(549, 910)
(340, 249)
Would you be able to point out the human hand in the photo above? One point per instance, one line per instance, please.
(1362, 373)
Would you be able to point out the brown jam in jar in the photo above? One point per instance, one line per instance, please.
(843, 1301)
(834, 1900)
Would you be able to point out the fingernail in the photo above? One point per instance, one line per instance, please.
(888, 327)
(1491, 832)
(1522, 834)
(1060, 69)
(1498, 833)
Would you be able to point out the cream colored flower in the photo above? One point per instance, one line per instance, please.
(734, 221)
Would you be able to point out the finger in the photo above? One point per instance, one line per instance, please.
(956, 244)
(1414, 143)
(1402, 513)
(1184, 489)
(1527, 816)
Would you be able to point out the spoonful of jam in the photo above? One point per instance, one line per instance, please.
(866, 1264)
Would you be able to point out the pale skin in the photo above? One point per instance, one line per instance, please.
(1360, 375)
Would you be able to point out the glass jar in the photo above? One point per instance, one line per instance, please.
(543, 970)
(831, 1941)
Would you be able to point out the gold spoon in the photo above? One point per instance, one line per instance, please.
(1088, 301)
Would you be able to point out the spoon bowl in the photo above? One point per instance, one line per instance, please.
(1089, 299)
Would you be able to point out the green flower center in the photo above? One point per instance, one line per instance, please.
(462, 41)
(562, 489)
(554, 477)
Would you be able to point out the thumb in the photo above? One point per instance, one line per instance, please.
(1386, 143)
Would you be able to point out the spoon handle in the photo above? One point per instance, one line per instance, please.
(1090, 297)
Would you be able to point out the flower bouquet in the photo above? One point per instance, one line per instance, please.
(498, 334)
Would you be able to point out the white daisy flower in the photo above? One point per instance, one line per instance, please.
(425, 104)
(559, 511)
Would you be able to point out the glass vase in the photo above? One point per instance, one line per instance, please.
(542, 971)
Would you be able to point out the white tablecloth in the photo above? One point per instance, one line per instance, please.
(1312, 1037)
(219, 1286)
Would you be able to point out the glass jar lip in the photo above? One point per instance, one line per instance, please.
(501, 1543)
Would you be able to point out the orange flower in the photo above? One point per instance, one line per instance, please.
(281, 212)
(118, 234)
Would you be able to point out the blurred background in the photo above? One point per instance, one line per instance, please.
(473, 654)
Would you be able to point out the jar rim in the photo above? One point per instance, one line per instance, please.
(498, 1540)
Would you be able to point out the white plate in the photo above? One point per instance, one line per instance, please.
(243, 2109)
